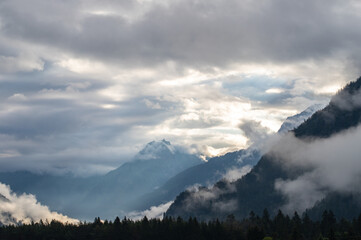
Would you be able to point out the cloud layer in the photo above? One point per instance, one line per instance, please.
(85, 84)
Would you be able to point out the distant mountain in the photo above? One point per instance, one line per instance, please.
(207, 174)
(107, 195)
(256, 190)
(151, 168)
(203, 174)
(157, 174)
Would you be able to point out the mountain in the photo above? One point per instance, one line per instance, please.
(203, 174)
(151, 168)
(106, 195)
(258, 189)
(157, 174)
(216, 168)
(294, 121)
(343, 206)
(343, 112)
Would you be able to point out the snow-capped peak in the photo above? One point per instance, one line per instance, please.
(294, 121)
(156, 149)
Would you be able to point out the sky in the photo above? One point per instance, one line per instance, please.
(85, 84)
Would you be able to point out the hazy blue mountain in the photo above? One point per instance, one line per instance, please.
(151, 168)
(157, 174)
(256, 190)
(107, 195)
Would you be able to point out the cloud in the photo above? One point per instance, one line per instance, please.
(346, 100)
(328, 165)
(236, 173)
(301, 193)
(20, 63)
(189, 31)
(25, 208)
(112, 76)
(152, 212)
(254, 131)
(202, 197)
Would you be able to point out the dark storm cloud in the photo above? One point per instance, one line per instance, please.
(191, 32)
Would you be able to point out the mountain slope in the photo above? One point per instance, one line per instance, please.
(343, 112)
(256, 190)
(203, 174)
(107, 195)
(153, 166)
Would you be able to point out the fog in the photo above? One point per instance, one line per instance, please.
(328, 165)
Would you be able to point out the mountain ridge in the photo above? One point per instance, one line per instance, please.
(216, 168)
(109, 194)
(256, 190)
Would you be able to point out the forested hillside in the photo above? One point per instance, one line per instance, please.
(282, 227)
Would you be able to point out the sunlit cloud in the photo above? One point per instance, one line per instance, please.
(275, 90)
(329, 90)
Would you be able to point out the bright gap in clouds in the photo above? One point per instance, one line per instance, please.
(329, 90)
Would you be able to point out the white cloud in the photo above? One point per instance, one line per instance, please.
(236, 173)
(9, 64)
(152, 105)
(209, 197)
(17, 97)
(275, 90)
(152, 212)
(25, 209)
(329, 165)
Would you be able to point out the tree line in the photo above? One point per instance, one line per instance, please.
(281, 226)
